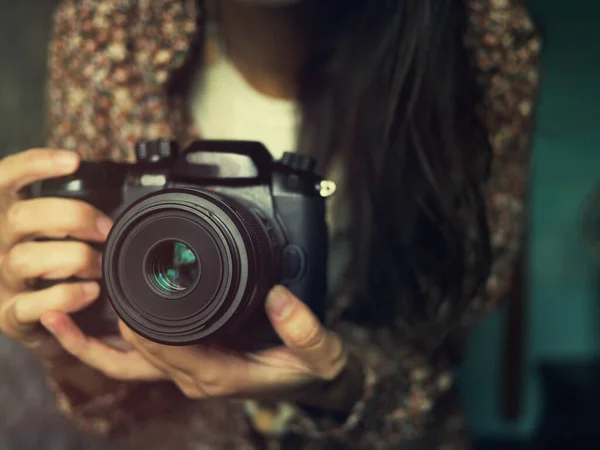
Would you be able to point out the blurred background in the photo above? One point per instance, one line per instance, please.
(531, 378)
(27, 417)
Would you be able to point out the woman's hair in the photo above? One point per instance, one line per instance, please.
(389, 89)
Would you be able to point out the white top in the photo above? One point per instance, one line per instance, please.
(227, 107)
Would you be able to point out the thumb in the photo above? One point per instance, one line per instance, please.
(302, 332)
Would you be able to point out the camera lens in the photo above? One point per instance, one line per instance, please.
(183, 265)
(172, 268)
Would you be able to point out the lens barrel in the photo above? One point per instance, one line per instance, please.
(184, 265)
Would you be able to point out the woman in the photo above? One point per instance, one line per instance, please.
(389, 105)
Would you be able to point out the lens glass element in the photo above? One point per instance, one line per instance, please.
(172, 267)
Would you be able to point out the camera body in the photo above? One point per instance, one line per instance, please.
(200, 237)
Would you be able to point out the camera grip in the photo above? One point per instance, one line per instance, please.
(88, 184)
(97, 319)
(99, 184)
(305, 257)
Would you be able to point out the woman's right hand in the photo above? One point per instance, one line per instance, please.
(23, 260)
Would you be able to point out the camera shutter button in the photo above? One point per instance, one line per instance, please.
(156, 150)
(294, 263)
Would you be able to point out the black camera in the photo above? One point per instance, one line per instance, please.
(200, 237)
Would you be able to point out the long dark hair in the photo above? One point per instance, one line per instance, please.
(390, 89)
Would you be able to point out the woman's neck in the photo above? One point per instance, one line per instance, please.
(267, 44)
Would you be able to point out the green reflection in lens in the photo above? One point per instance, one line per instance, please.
(173, 268)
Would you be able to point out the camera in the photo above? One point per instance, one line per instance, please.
(200, 237)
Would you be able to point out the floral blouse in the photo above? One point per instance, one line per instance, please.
(109, 62)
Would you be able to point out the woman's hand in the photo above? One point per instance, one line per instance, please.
(311, 354)
(309, 360)
(23, 260)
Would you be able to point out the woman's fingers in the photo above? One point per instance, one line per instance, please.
(52, 260)
(114, 363)
(322, 351)
(22, 169)
(311, 353)
(25, 309)
(186, 382)
(203, 371)
(66, 298)
(54, 218)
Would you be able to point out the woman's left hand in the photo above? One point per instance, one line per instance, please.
(311, 356)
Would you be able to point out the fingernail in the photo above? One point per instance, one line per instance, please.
(66, 160)
(90, 290)
(104, 224)
(279, 303)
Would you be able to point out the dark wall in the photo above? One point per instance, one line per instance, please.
(563, 297)
(24, 28)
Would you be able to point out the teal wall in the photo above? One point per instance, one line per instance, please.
(564, 287)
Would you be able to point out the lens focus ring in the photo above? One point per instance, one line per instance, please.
(237, 263)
